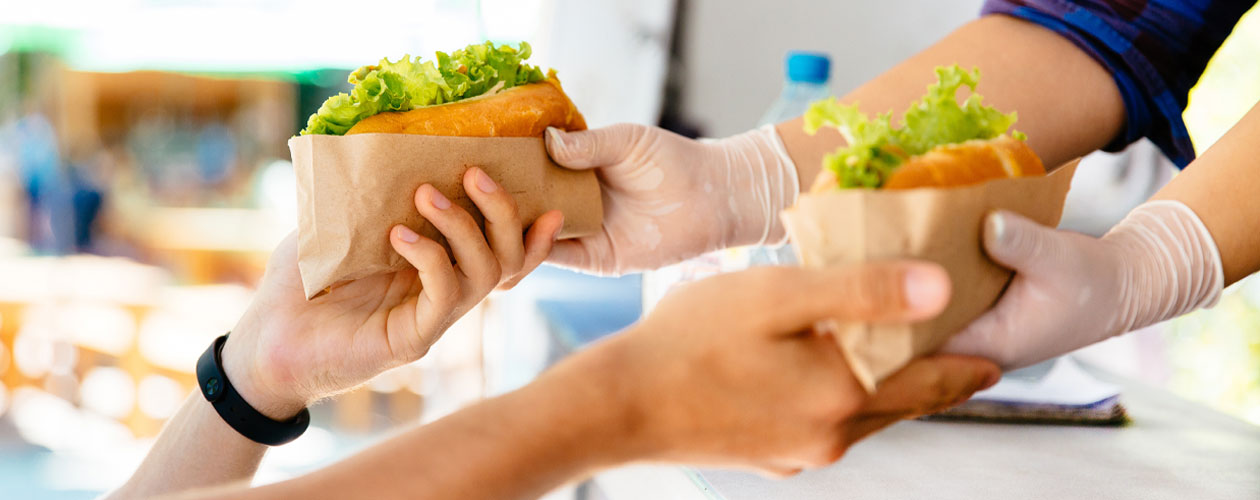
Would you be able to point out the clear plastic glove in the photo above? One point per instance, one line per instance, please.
(1072, 290)
(668, 198)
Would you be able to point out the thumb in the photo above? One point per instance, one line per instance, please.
(593, 148)
(890, 291)
(1018, 243)
(583, 254)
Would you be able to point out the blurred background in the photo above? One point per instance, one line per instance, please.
(144, 178)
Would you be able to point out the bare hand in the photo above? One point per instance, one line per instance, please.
(727, 371)
(287, 352)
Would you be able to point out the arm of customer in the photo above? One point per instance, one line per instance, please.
(287, 352)
(724, 372)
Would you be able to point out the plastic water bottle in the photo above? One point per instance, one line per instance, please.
(806, 75)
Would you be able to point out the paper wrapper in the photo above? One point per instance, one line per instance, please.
(943, 225)
(353, 189)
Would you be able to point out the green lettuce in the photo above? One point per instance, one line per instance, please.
(876, 148)
(411, 83)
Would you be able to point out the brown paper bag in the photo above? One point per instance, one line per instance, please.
(943, 225)
(353, 189)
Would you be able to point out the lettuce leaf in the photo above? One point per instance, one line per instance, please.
(870, 156)
(938, 119)
(410, 83)
(876, 148)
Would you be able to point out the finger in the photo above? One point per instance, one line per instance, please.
(931, 384)
(988, 336)
(538, 244)
(884, 292)
(440, 284)
(476, 262)
(925, 386)
(503, 222)
(594, 148)
(1021, 244)
(587, 254)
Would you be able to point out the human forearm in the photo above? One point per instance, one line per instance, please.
(690, 383)
(1220, 187)
(521, 445)
(196, 449)
(1068, 104)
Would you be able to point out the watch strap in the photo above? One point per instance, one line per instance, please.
(233, 408)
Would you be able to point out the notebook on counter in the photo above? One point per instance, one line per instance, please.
(1066, 394)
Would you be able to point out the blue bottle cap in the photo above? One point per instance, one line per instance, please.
(808, 67)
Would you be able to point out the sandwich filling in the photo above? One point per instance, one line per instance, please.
(408, 83)
(876, 148)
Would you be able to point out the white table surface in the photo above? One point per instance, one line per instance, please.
(1173, 449)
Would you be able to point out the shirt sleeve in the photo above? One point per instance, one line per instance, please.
(1155, 50)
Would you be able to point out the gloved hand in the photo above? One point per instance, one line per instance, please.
(1072, 290)
(668, 198)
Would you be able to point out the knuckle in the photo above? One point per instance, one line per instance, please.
(509, 272)
(511, 263)
(488, 279)
(631, 131)
(448, 299)
(427, 252)
(632, 137)
(504, 208)
(509, 283)
(421, 350)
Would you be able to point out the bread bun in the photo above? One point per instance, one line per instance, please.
(524, 111)
(970, 162)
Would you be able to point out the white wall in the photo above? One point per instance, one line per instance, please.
(733, 49)
(610, 55)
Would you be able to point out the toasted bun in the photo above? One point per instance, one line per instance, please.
(524, 111)
(971, 162)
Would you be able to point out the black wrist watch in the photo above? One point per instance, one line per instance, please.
(235, 411)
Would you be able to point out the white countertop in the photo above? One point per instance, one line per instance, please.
(1172, 449)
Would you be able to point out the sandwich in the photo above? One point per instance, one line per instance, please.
(482, 90)
(920, 190)
(410, 122)
(940, 143)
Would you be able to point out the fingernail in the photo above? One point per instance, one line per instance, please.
(554, 135)
(406, 234)
(556, 234)
(440, 202)
(925, 288)
(995, 226)
(484, 182)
